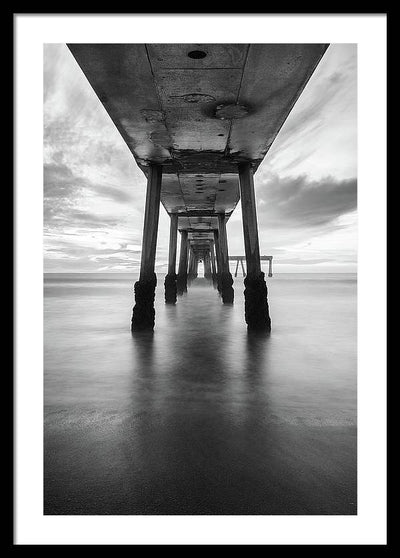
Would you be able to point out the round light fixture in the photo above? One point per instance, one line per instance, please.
(197, 54)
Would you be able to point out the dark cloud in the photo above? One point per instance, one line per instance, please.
(60, 181)
(119, 196)
(92, 220)
(298, 202)
(63, 192)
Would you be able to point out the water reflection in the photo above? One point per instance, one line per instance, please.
(200, 416)
(198, 408)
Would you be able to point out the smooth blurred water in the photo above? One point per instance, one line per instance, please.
(200, 417)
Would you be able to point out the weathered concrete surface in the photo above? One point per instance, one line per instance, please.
(181, 281)
(198, 115)
(170, 286)
(170, 279)
(143, 313)
(256, 292)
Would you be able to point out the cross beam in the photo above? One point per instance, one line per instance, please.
(242, 259)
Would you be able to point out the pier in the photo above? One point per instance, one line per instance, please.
(241, 259)
(199, 120)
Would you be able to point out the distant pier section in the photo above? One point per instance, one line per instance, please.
(241, 259)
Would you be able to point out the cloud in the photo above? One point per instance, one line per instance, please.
(65, 194)
(299, 202)
(320, 134)
(94, 192)
(313, 112)
(61, 182)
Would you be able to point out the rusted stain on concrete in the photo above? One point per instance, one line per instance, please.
(161, 137)
(151, 115)
(231, 111)
(197, 98)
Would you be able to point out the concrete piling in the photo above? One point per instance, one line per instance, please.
(207, 266)
(256, 292)
(225, 279)
(213, 264)
(170, 278)
(143, 314)
(218, 260)
(191, 267)
(181, 280)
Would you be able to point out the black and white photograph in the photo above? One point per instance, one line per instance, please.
(200, 276)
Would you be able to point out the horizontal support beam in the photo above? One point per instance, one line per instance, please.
(192, 230)
(262, 258)
(202, 213)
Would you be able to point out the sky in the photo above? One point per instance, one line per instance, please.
(306, 187)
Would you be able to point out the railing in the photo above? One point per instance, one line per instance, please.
(242, 259)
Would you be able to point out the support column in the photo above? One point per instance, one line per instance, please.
(193, 265)
(256, 292)
(181, 281)
(190, 275)
(270, 268)
(190, 266)
(213, 264)
(143, 314)
(227, 292)
(218, 258)
(170, 278)
(207, 266)
(243, 271)
(237, 267)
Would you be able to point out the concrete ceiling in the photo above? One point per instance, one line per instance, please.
(198, 110)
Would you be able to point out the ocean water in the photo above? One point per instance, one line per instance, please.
(200, 417)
